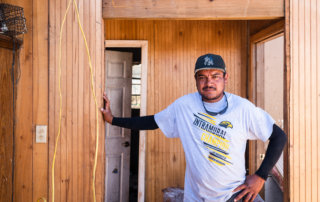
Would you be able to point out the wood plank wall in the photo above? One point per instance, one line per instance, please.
(30, 170)
(6, 125)
(191, 9)
(173, 49)
(76, 148)
(304, 141)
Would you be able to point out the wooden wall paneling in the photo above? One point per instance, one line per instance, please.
(228, 38)
(166, 36)
(52, 88)
(318, 88)
(7, 42)
(189, 9)
(152, 137)
(229, 33)
(76, 149)
(153, 83)
(313, 81)
(157, 166)
(99, 81)
(172, 75)
(188, 72)
(304, 105)
(308, 99)
(24, 108)
(80, 186)
(301, 108)
(86, 110)
(75, 166)
(61, 195)
(69, 135)
(6, 125)
(98, 69)
(92, 110)
(176, 73)
(244, 59)
(92, 123)
(171, 65)
(173, 49)
(317, 55)
(165, 91)
(59, 161)
(66, 77)
(40, 97)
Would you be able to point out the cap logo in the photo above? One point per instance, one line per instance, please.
(208, 61)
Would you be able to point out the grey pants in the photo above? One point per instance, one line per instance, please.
(257, 199)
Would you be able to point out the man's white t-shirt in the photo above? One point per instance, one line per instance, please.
(214, 146)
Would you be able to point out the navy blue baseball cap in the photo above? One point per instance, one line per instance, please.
(210, 61)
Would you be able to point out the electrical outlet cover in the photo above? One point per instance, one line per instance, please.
(41, 134)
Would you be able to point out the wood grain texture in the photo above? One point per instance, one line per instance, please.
(7, 42)
(304, 100)
(173, 49)
(286, 113)
(190, 9)
(258, 25)
(76, 148)
(6, 125)
(31, 164)
(40, 96)
(23, 169)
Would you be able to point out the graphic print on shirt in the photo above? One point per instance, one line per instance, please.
(226, 124)
(214, 138)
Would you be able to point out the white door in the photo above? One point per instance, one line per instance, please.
(118, 71)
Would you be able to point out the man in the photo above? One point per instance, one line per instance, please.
(214, 126)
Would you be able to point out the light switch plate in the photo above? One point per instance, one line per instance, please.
(41, 134)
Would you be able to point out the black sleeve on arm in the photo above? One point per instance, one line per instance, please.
(136, 123)
(277, 142)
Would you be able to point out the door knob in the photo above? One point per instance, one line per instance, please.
(126, 144)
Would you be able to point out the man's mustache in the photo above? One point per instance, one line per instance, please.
(209, 87)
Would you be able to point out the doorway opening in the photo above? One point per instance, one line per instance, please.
(267, 92)
(135, 111)
(132, 167)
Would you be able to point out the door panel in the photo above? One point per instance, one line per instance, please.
(118, 88)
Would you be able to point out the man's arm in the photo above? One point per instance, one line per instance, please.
(254, 183)
(135, 123)
(277, 142)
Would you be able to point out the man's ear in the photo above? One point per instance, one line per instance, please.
(226, 77)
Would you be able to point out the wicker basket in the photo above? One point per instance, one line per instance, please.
(12, 20)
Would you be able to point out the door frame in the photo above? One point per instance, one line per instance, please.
(143, 44)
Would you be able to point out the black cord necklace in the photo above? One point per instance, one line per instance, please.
(216, 113)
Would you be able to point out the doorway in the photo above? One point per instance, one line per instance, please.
(267, 90)
(125, 170)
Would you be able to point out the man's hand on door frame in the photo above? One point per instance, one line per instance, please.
(106, 111)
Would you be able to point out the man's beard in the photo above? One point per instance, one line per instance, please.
(211, 98)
